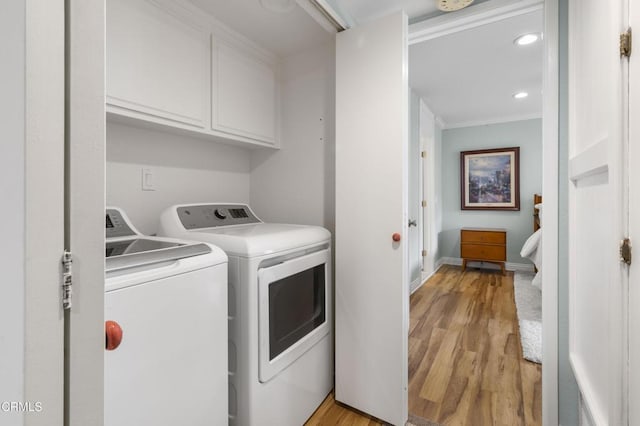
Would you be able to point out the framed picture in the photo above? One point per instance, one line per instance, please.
(490, 179)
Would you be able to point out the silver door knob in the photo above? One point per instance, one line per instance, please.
(413, 222)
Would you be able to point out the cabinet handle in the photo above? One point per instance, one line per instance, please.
(396, 237)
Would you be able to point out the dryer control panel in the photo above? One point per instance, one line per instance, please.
(116, 225)
(213, 215)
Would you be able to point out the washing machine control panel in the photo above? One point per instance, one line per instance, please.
(212, 215)
(116, 225)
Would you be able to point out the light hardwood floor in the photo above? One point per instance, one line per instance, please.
(331, 413)
(465, 359)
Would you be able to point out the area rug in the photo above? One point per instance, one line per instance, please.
(529, 307)
(419, 421)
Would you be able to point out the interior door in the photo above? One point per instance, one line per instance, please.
(597, 210)
(416, 224)
(372, 285)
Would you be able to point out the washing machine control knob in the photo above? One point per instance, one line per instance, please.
(220, 213)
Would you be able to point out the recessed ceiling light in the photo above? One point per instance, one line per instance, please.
(452, 5)
(520, 95)
(525, 39)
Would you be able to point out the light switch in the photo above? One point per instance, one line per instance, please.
(148, 180)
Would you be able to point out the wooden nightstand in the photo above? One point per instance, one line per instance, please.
(483, 245)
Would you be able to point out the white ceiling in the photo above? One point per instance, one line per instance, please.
(466, 77)
(284, 34)
(469, 77)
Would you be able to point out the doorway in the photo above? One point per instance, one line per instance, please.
(479, 96)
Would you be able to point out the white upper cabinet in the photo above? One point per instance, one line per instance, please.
(171, 65)
(157, 64)
(244, 94)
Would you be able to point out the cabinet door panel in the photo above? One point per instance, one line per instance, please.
(244, 94)
(157, 64)
(484, 237)
(483, 252)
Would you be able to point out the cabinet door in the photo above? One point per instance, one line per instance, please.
(244, 94)
(157, 64)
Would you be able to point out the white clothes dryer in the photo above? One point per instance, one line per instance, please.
(280, 310)
(166, 332)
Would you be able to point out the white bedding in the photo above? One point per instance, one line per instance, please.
(532, 250)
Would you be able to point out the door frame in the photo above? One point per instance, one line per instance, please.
(32, 117)
(84, 210)
(484, 14)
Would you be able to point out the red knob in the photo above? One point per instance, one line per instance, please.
(396, 237)
(113, 335)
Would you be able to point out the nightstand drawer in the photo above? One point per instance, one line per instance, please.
(492, 237)
(483, 252)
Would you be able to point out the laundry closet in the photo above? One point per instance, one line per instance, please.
(202, 117)
(198, 111)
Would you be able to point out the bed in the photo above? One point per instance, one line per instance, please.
(532, 248)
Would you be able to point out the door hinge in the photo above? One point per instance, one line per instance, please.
(625, 251)
(423, 154)
(67, 279)
(424, 253)
(424, 203)
(625, 43)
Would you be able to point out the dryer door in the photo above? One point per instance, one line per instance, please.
(294, 311)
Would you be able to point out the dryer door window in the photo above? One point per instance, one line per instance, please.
(293, 310)
(296, 308)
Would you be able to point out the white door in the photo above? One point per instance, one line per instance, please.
(372, 285)
(85, 211)
(416, 224)
(597, 209)
(429, 190)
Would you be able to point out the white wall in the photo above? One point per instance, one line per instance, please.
(297, 183)
(12, 213)
(186, 170)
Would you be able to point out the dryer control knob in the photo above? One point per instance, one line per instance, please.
(113, 335)
(220, 213)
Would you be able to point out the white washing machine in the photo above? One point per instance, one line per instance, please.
(166, 330)
(280, 316)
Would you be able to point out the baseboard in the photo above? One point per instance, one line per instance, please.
(440, 262)
(456, 261)
(416, 284)
(519, 267)
(509, 266)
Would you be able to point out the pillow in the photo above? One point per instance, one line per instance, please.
(531, 245)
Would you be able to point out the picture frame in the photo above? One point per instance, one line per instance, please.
(490, 179)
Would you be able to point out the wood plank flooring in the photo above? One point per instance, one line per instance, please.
(465, 360)
(332, 413)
